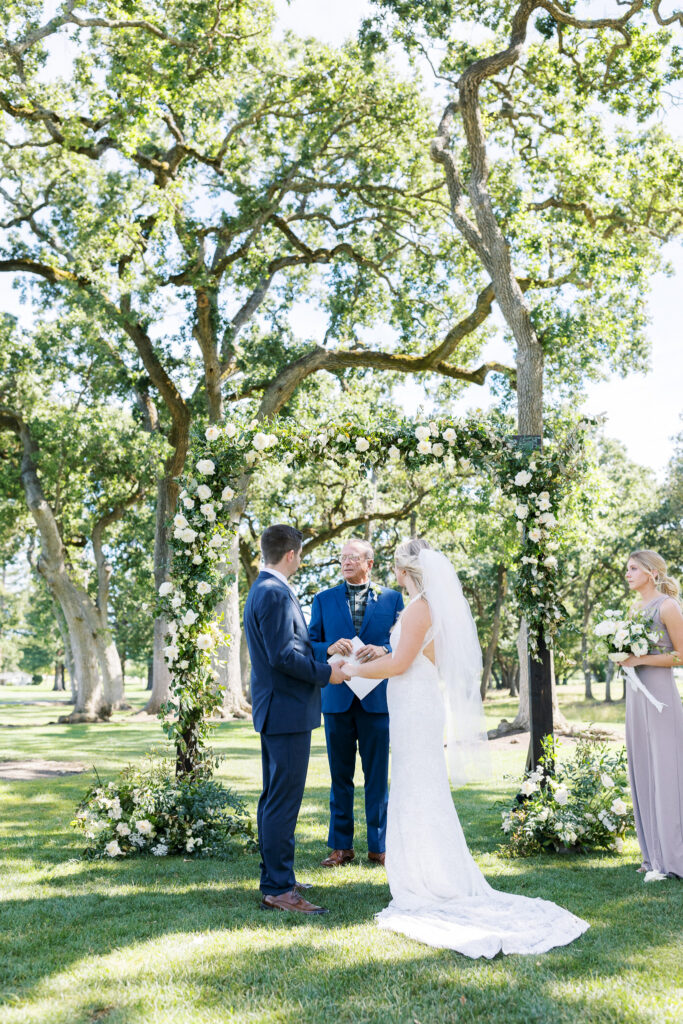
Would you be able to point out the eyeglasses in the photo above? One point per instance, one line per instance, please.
(354, 559)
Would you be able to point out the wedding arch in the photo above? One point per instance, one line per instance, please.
(539, 482)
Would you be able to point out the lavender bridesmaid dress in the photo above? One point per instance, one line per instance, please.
(654, 742)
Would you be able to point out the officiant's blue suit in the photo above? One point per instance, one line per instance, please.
(350, 723)
(286, 681)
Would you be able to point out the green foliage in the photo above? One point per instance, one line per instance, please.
(579, 805)
(146, 810)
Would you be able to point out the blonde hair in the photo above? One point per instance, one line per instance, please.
(655, 566)
(406, 558)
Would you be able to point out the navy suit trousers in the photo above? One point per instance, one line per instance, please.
(284, 760)
(345, 732)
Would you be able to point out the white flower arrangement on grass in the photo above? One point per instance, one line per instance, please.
(581, 805)
(162, 816)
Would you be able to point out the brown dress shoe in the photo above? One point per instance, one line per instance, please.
(337, 858)
(292, 900)
(378, 858)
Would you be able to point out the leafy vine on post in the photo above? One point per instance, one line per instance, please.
(538, 488)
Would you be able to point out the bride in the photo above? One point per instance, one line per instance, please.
(439, 895)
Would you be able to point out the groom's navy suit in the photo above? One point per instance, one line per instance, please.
(350, 722)
(286, 681)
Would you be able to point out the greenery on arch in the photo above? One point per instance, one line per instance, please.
(539, 485)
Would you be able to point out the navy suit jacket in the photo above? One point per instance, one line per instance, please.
(331, 620)
(286, 679)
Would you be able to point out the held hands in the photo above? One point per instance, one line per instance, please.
(337, 675)
(347, 670)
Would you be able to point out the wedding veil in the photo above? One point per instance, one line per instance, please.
(459, 665)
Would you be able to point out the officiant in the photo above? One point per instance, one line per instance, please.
(357, 607)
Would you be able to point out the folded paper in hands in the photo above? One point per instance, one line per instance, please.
(361, 687)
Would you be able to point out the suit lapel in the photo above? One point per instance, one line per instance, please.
(343, 606)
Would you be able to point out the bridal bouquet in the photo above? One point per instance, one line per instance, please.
(625, 637)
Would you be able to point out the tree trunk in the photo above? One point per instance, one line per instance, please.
(230, 672)
(522, 720)
(167, 495)
(59, 676)
(514, 683)
(501, 590)
(587, 674)
(609, 675)
(150, 674)
(110, 661)
(76, 606)
(245, 668)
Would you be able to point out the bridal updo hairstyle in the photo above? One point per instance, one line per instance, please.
(655, 566)
(406, 558)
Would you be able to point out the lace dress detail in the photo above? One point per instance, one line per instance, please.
(439, 895)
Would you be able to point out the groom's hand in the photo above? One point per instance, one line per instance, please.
(370, 652)
(342, 646)
(336, 675)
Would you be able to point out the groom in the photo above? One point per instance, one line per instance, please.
(355, 608)
(286, 681)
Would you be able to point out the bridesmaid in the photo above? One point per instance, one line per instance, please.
(654, 740)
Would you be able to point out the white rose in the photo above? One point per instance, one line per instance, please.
(561, 796)
(203, 587)
(204, 642)
(543, 501)
(438, 449)
(620, 637)
(189, 617)
(550, 562)
(260, 441)
(362, 444)
(639, 648)
(188, 502)
(209, 512)
(543, 814)
(203, 492)
(605, 628)
(424, 447)
(189, 845)
(548, 519)
(449, 435)
(217, 541)
(144, 827)
(196, 559)
(176, 600)
(528, 787)
(184, 665)
(522, 478)
(227, 494)
(188, 535)
(522, 511)
(122, 829)
(618, 657)
(272, 439)
(607, 781)
(619, 807)
(535, 534)
(394, 453)
(171, 652)
(165, 589)
(618, 844)
(113, 849)
(212, 433)
(179, 521)
(230, 429)
(422, 433)
(206, 467)
(433, 429)
(250, 458)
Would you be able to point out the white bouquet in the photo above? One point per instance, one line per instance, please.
(626, 637)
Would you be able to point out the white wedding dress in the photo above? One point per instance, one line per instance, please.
(439, 895)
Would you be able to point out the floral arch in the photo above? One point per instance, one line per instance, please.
(538, 481)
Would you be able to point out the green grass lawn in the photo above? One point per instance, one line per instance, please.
(156, 940)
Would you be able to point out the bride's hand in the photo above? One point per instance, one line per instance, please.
(631, 661)
(345, 669)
